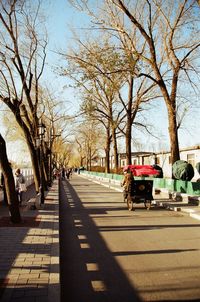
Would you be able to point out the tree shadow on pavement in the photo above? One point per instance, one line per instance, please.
(88, 270)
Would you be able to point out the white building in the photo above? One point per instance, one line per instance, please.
(191, 155)
(163, 159)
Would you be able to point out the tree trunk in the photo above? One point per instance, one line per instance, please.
(173, 134)
(128, 142)
(107, 161)
(12, 197)
(81, 161)
(107, 151)
(47, 167)
(35, 166)
(90, 158)
(115, 150)
(170, 101)
(129, 121)
(171, 109)
(31, 147)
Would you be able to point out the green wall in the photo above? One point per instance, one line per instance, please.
(187, 187)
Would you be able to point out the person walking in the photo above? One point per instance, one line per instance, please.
(63, 173)
(126, 183)
(20, 184)
(69, 173)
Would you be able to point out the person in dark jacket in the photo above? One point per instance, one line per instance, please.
(126, 183)
(19, 180)
(63, 173)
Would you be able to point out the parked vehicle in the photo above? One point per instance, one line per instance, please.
(141, 192)
(141, 189)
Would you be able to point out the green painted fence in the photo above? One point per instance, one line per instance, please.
(187, 187)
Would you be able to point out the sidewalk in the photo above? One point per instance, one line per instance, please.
(29, 252)
(188, 205)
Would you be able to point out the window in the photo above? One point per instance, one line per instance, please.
(191, 159)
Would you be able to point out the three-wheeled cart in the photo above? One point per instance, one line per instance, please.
(141, 190)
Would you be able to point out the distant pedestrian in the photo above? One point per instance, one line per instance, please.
(20, 184)
(56, 173)
(68, 173)
(63, 173)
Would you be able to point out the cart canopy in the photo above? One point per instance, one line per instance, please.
(141, 170)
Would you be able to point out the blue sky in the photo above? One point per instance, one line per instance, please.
(61, 17)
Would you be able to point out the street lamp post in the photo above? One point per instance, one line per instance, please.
(50, 156)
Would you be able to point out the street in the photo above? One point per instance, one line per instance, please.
(108, 253)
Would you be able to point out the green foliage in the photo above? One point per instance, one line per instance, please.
(119, 171)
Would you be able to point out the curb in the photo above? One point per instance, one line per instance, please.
(194, 213)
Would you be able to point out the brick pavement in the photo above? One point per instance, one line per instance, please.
(29, 254)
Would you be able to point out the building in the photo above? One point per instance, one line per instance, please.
(163, 159)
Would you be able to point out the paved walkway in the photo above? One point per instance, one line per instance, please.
(29, 252)
(88, 270)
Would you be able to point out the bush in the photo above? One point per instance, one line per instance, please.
(97, 169)
(102, 170)
(118, 171)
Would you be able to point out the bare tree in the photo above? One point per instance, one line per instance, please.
(88, 68)
(169, 51)
(22, 58)
(89, 141)
(164, 35)
(58, 132)
(106, 72)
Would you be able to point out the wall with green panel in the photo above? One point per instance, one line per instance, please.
(187, 187)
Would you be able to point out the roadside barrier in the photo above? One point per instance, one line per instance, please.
(170, 185)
